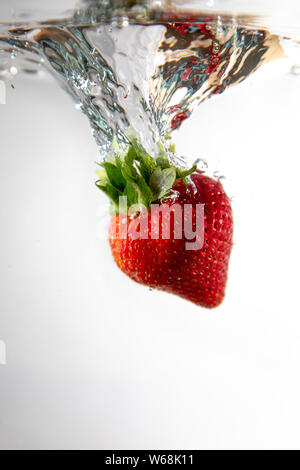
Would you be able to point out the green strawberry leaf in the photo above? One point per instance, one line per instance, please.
(162, 161)
(102, 176)
(110, 191)
(145, 196)
(161, 181)
(129, 171)
(147, 163)
(114, 174)
(184, 173)
(130, 156)
(172, 148)
(146, 168)
(118, 164)
(132, 193)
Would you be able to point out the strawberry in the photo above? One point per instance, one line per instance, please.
(149, 243)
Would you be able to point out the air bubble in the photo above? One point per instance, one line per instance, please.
(13, 54)
(123, 22)
(13, 70)
(217, 175)
(201, 164)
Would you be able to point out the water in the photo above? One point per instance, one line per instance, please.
(140, 69)
(93, 360)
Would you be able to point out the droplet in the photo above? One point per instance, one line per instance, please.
(295, 70)
(215, 47)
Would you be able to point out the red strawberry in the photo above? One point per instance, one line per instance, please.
(160, 259)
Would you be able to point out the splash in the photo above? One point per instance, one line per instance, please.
(138, 70)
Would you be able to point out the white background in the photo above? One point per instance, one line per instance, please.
(96, 361)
